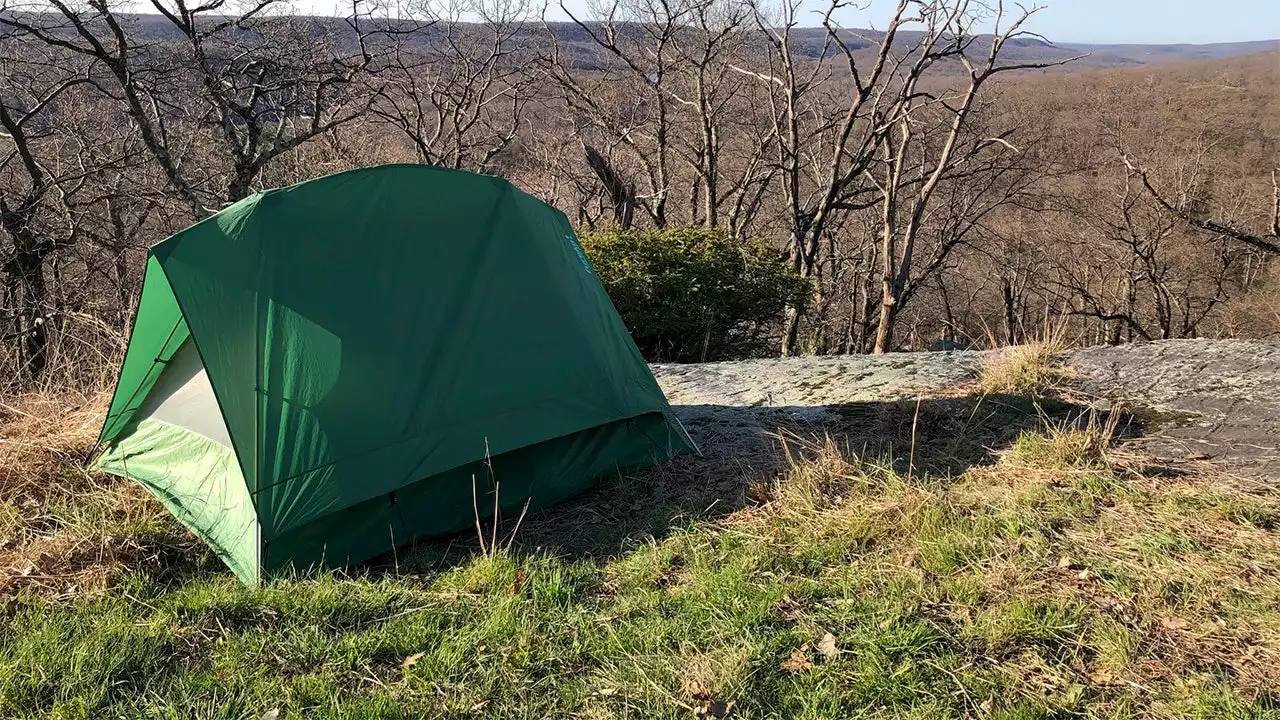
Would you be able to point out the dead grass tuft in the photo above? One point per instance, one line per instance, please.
(706, 676)
(65, 531)
(1032, 369)
(66, 566)
(42, 435)
(828, 491)
(1082, 443)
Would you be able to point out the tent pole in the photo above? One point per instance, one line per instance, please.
(687, 436)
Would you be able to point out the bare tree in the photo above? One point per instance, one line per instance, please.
(633, 110)
(913, 168)
(264, 82)
(456, 84)
(45, 164)
(921, 199)
(818, 156)
(883, 139)
(1185, 208)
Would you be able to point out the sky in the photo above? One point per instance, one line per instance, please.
(1156, 21)
(1060, 21)
(1111, 21)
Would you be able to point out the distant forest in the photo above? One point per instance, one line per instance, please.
(932, 186)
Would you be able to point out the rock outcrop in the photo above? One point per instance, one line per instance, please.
(1202, 400)
(1195, 400)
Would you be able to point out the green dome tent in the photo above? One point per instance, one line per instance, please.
(322, 372)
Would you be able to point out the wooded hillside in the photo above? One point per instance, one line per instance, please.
(931, 184)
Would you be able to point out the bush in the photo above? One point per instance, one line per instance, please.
(694, 294)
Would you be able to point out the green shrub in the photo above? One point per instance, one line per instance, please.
(694, 294)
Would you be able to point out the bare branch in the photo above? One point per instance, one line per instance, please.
(1267, 243)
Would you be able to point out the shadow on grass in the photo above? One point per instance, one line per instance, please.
(742, 446)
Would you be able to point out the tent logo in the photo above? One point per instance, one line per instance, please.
(573, 243)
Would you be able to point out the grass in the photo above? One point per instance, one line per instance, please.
(65, 532)
(1031, 369)
(1058, 581)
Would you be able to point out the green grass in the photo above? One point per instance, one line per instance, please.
(1052, 584)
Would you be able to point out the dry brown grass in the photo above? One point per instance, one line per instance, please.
(64, 531)
(1032, 369)
(42, 435)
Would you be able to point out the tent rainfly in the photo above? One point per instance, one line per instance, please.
(322, 372)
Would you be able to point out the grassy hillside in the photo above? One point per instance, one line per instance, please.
(970, 556)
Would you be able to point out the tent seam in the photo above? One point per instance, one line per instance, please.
(213, 386)
(109, 420)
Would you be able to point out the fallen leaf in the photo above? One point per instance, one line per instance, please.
(521, 576)
(1084, 574)
(799, 660)
(411, 660)
(479, 706)
(1175, 624)
(716, 709)
(1064, 563)
(787, 608)
(271, 714)
(606, 692)
(827, 646)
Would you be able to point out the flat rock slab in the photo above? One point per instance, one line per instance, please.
(1202, 400)
(817, 381)
(1198, 400)
(732, 410)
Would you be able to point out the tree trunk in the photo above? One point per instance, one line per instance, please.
(33, 326)
(241, 184)
(803, 250)
(124, 291)
(888, 316)
(790, 330)
(949, 333)
(1012, 336)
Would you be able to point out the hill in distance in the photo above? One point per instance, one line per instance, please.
(809, 42)
(1032, 50)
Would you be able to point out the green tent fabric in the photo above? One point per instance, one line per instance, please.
(322, 372)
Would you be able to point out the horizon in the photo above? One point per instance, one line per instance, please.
(1132, 22)
(1060, 22)
(1064, 22)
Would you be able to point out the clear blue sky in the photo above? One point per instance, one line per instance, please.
(1110, 21)
(1156, 21)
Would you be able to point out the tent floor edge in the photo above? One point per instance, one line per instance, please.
(552, 471)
